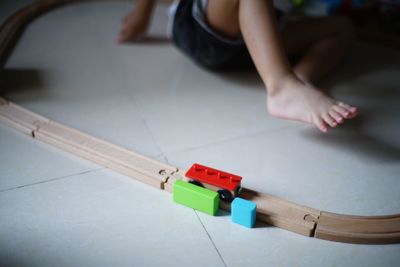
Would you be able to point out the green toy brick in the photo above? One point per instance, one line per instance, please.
(196, 197)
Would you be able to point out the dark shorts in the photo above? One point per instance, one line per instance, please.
(203, 45)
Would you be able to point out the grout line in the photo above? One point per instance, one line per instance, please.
(174, 85)
(231, 139)
(50, 180)
(146, 126)
(209, 236)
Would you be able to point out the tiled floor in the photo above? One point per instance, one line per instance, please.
(59, 210)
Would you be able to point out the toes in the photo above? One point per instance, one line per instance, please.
(349, 108)
(329, 120)
(319, 122)
(341, 110)
(338, 118)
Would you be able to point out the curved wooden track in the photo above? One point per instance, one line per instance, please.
(270, 209)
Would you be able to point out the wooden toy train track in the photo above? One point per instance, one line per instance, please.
(270, 209)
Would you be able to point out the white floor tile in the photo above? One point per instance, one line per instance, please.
(342, 171)
(99, 219)
(64, 68)
(150, 98)
(269, 246)
(204, 107)
(24, 161)
(79, 72)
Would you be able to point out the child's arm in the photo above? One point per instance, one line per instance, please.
(135, 24)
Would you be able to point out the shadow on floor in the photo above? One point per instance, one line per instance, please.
(151, 40)
(245, 77)
(19, 80)
(364, 60)
(378, 102)
(222, 213)
(361, 62)
(353, 138)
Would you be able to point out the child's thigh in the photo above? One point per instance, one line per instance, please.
(223, 16)
(300, 34)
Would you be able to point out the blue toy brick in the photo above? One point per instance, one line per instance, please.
(243, 212)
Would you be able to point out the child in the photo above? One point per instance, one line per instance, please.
(235, 33)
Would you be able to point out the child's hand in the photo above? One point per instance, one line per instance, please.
(134, 26)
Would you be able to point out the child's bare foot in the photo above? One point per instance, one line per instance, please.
(296, 100)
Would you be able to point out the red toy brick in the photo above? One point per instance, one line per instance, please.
(214, 177)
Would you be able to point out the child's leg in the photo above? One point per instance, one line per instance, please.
(290, 93)
(322, 42)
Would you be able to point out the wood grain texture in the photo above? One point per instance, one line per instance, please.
(270, 209)
(132, 164)
(20, 118)
(282, 213)
(359, 229)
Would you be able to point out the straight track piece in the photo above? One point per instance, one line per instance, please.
(20, 118)
(173, 177)
(132, 164)
(114, 157)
